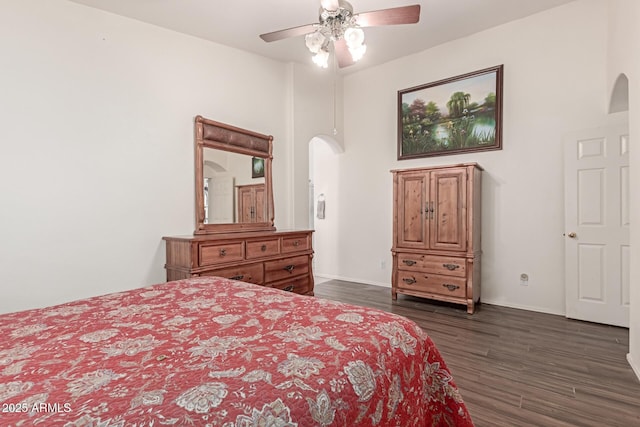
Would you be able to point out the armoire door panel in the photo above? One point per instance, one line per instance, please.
(260, 213)
(449, 195)
(412, 224)
(245, 206)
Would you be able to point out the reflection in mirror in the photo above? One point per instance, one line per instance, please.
(231, 194)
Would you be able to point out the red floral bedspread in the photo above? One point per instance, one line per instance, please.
(211, 351)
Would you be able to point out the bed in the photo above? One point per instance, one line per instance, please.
(218, 352)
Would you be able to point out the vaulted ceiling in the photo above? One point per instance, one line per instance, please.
(238, 23)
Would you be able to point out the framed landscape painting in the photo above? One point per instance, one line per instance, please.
(456, 115)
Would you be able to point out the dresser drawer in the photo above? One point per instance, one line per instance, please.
(252, 273)
(432, 283)
(298, 285)
(263, 248)
(219, 254)
(449, 266)
(285, 268)
(295, 244)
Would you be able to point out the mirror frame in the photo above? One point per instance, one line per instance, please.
(221, 136)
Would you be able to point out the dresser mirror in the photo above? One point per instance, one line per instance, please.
(232, 178)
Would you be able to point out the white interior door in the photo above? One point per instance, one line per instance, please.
(597, 225)
(221, 199)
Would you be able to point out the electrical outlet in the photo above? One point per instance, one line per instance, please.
(383, 264)
(524, 279)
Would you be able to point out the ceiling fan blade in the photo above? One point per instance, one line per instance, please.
(393, 16)
(289, 32)
(343, 56)
(330, 4)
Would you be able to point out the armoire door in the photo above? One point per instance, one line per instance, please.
(260, 203)
(448, 209)
(245, 204)
(412, 218)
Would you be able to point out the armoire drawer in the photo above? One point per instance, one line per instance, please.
(222, 253)
(285, 268)
(263, 248)
(449, 266)
(298, 285)
(252, 273)
(432, 283)
(295, 244)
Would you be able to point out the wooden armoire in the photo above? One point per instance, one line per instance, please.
(436, 233)
(251, 203)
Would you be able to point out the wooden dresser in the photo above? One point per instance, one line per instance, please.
(436, 233)
(278, 259)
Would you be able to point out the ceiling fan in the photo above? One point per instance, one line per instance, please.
(340, 26)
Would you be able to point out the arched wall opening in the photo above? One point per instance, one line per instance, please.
(324, 154)
(619, 100)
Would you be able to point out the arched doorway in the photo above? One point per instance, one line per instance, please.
(620, 95)
(324, 151)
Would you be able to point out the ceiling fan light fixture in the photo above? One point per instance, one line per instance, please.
(315, 41)
(321, 58)
(357, 52)
(354, 37)
(340, 27)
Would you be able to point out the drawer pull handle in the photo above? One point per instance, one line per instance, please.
(289, 268)
(263, 248)
(296, 243)
(223, 252)
(288, 288)
(450, 267)
(450, 286)
(409, 280)
(238, 277)
(409, 261)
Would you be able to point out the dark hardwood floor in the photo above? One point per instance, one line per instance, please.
(517, 367)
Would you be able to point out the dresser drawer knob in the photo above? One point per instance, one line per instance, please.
(288, 288)
(223, 252)
(296, 243)
(450, 286)
(289, 268)
(409, 280)
(409, 261)
(450, 267)
(263, 248)
(238, 277)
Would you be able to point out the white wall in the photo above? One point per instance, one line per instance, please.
(554, 83)
(317, 108)
(96, 143)
(624, 57)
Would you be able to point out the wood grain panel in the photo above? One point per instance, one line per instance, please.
(218, 254)
(433, 264)
(295, 244)
(251, 273)
(263, 248)
(412, 218)
(285, 268)
(449, 195)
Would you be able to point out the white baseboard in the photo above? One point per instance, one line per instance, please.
(636, 368)
(485, 301)
(351, 279)
(522, 307)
